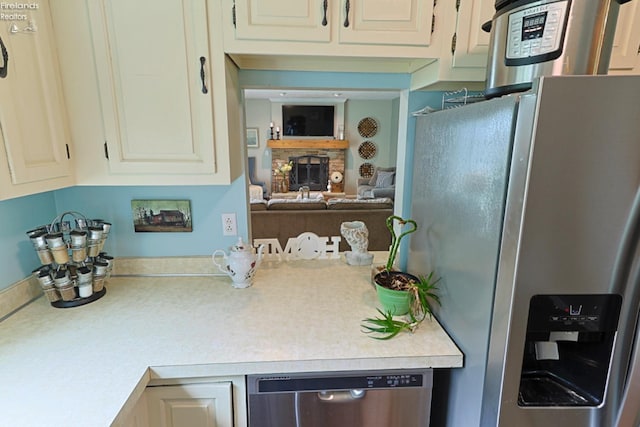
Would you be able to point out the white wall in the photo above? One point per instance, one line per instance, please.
(258, 115)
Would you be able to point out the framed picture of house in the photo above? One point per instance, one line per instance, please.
(161, 215)
(252, 138)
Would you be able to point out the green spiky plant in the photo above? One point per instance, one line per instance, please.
(421, 295)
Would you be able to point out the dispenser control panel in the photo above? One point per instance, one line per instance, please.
(536, 33)
(575, 312)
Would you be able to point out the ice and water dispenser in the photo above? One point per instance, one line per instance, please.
(568, 349)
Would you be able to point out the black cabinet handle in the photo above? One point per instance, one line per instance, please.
(324, 11)
(204, 85)
(347, 6)
(5, 60)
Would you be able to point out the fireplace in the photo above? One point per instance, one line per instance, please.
(312, 171)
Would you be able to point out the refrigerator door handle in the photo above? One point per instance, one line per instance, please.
(629, 413)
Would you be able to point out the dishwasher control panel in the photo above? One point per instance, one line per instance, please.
(289, 383)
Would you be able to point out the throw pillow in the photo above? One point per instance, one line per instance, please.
(374, 177)
(385, 179)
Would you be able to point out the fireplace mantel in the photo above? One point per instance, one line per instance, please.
(331, 144)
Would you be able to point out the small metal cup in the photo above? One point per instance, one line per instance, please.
(93, 246)
(78, 238)
(61, 278)
(55, 240)
(100, 268)
(106, 227)
(95, 233)
(81, 223)
(85, 275)
(45, 279)
(38, 238)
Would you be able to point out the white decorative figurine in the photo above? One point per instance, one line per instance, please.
(357, 235)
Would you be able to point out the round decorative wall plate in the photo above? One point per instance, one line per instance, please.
(366, 170)
(367, 127)
(367, 150)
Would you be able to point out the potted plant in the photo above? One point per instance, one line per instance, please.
(282, 172)
(399, 292)
(420, 294)
(386, 275)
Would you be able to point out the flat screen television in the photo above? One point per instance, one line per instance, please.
(307, 120)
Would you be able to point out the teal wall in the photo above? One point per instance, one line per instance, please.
(17, 216)
(113, 203)
(207, 204)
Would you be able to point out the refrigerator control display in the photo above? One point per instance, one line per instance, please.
(536, 33)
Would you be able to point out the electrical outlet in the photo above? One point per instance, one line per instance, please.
(229, 226)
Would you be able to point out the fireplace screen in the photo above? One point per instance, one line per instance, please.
(312, 171)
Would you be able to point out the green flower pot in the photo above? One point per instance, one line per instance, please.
(397, 302)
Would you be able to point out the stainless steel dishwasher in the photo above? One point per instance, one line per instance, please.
(341, 399)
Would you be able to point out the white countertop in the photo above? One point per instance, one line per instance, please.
(79, 366)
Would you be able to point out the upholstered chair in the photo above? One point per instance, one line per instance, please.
(381, 184)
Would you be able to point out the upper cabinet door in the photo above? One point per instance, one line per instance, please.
(154, 74)
(33, 122)
(283, 20)
(386, 22)
(626, 43)
(471, 43)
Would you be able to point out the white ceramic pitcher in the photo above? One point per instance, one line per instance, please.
(240, 264)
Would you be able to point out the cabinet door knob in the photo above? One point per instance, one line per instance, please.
(5, 60)
(202, 75)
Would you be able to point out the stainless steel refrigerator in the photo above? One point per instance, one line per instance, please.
(528, 208)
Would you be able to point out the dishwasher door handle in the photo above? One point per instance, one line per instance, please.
(341, 396)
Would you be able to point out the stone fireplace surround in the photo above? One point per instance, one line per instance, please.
(336, 157)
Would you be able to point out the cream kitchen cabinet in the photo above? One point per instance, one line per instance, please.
(626, 43)
(386, 22)
(465, 48)
(137, 417)
(470, 43)
(190, 401)
(154, 100)
(332, 28)
(35, 152)
(190, 405)
(282, 20)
